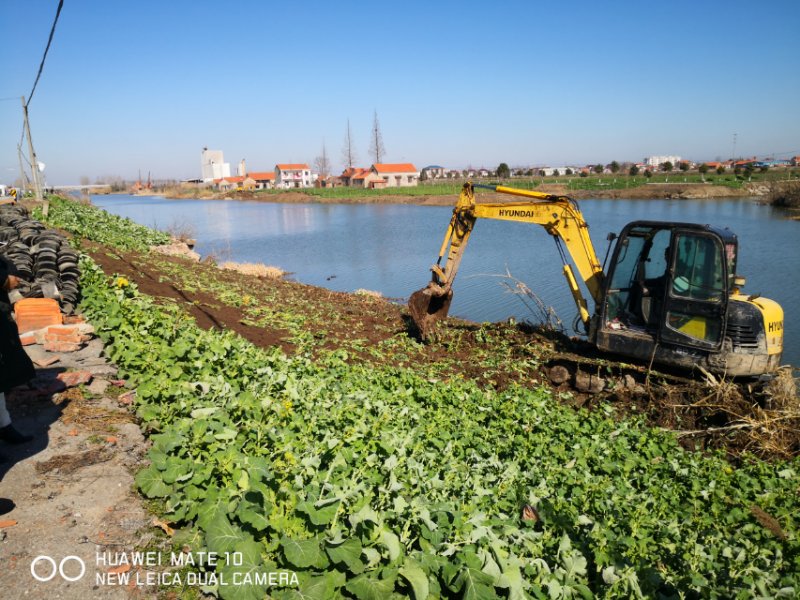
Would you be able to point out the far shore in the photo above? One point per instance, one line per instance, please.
(650, 191)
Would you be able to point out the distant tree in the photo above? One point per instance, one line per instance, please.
(322, 164)
(764, 169)
(703, 168)
(667, 166)
(541, 173)
(349, 157)
(568, 172)
(503, 171)
(529, 173)
(584, 174)
(737, 170)
(614, 166)
(748, 171)
(556, 173)
(633, 171)
(598, 169)
(648, 173)
(376, 149)
(683, 166)
(720, 170)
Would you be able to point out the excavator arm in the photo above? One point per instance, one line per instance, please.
(560, 217)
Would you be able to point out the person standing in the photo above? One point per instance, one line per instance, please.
(16, 367)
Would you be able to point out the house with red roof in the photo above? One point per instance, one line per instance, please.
(229, 183)
(293, 175)
(260, 180)
(351, 173)
(395, 174)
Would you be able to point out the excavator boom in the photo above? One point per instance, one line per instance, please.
(560, 217)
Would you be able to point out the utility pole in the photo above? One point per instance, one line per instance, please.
(37, 186)
(23, 176)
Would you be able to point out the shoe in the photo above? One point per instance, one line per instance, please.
(6, 506)
(12, 436)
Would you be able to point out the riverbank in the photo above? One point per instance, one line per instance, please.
(647, 191)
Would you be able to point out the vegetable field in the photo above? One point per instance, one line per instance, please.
(369, 483)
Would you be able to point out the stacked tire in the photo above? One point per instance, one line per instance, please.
(43, 259)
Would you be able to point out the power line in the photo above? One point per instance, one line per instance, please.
(49, 41)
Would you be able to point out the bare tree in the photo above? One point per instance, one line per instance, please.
(321, 163)
(348, 151)
(376, 149)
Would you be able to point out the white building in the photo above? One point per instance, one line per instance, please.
(657, 161)
(213, 165)
(293, 175)
(395, 174)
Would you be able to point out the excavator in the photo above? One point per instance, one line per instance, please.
(671, 294)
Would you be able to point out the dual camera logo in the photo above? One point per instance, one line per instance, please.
(44, 568)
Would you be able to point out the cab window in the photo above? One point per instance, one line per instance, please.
(699, 269)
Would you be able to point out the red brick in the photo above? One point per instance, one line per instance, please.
(66, 333)
(74, 338)
(27, 339)
(35, 313)
(73, 319)
(61, 346)
(74, 378)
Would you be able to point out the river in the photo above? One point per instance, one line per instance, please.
(389, 247)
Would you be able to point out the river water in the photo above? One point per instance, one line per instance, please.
(390, 247)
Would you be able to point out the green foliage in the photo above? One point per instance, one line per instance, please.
(373, 482)
(91, 223)
(503, 171)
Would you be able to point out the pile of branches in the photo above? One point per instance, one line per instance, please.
(764, 421)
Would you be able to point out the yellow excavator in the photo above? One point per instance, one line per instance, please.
(671, 294)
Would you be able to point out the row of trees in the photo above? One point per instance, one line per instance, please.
(504, 171)
(377, 151)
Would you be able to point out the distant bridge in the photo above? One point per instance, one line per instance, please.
(78, 187)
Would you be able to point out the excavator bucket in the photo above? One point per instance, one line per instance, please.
(427, 308)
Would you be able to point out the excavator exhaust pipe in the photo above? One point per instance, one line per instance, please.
(427, 308)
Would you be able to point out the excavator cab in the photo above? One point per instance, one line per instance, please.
(668, 292)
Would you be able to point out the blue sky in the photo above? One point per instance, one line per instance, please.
(145, 85)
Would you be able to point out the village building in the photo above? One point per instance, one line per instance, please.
(293, 175)
(433, 172)
(213, 165)
(396, 174)
(260, 180)
(227, 184)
